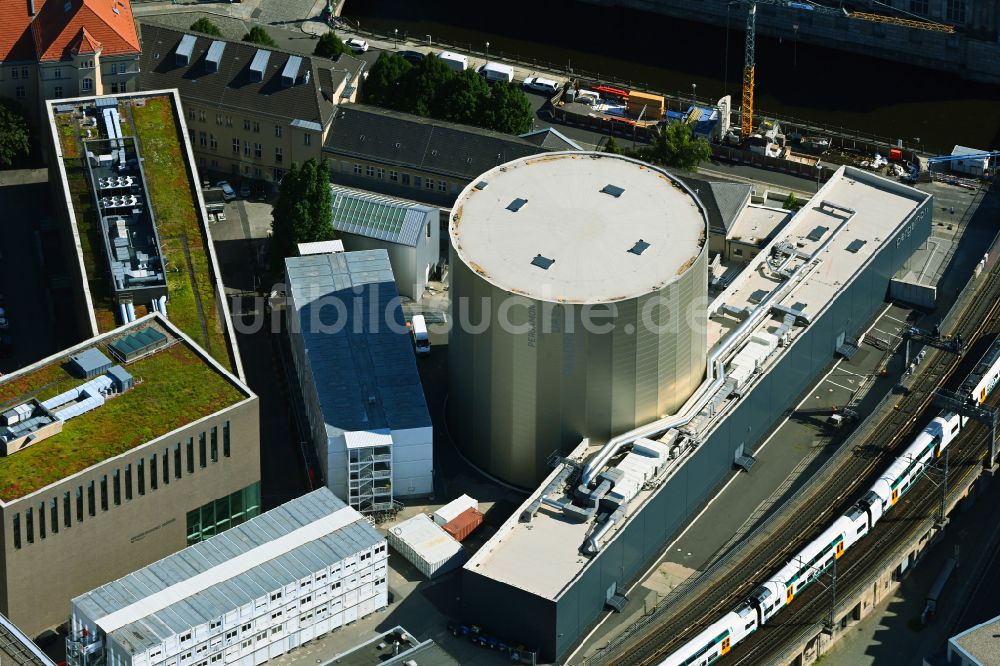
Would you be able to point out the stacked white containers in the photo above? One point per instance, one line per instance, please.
(241, 612)
(426, 545)
(454, 509)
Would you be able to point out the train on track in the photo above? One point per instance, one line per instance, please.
(809, 563)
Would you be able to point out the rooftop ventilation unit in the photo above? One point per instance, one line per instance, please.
(259, 64)
(639, 247)
(542, 262)
(185, 49)
(291, 71)
(613, 190)
(516, 205)
(214, 56)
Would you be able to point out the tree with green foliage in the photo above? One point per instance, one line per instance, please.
(791, 202)
(206, 26)
(258, 35)
(13, 132)
(384, 84)
(420, 85)
(676, 146)
(462, 98)
(508, 109)
(612, 146)
(330, 46)
(302, 212)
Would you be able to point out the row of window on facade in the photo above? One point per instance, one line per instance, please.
(220, 514)
(281, 605)
(249, 639)
(121, 484)
(402, 178)
(249, 125)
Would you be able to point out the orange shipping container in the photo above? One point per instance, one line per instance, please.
(464, 524)
(652, 103)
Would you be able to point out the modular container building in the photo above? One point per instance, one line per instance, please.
(426, 545)
(545, 577)
(245, 596)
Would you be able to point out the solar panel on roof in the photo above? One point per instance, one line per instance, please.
(259, 64)
(214, 55)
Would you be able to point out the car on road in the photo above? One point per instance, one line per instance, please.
(412, 57)
(228, 193)
(539, 85)
(245, 189)
(357, 45)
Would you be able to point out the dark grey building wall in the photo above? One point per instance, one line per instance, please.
(645, 535)
(513, 615)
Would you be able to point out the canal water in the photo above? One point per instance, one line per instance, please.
(795, 80)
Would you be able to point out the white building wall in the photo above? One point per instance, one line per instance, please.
(412, 462)
(275, 623)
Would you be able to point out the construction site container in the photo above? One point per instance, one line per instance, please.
(895, 154)
(653, 105)
(464, 525)
(454, 508)
(426, 545)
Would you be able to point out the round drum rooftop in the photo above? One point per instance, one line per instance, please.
(578, 227)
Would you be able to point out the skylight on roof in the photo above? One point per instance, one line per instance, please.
(613, 190)
(639, 247)
(481, 185)
(542, 262)
(855, 245)
(817, 233)
(516, 205)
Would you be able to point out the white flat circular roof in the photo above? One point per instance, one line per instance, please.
(578, 227)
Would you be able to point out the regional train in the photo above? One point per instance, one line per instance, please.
(812, 561)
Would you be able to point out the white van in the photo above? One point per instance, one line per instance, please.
(421, 341)
(456, 61)
(494, 71)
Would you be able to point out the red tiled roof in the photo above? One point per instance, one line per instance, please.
(84, 43)
(15, 36)
(58, 27)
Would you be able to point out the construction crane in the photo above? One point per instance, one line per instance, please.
(746, 109)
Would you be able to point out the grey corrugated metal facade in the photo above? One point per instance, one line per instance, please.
(555, 626)
(551, 377)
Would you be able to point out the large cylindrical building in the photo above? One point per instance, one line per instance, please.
(578, 292)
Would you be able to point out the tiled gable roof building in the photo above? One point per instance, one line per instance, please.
(50, 49)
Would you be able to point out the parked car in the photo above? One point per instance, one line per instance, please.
(4, 324)
(539, 85)
(245, 189)
(412, 57)
(357, 45)
(228, 192)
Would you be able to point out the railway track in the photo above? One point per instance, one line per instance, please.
(685, 615)
(855, 568)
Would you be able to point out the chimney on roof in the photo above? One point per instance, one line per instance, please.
(31, 7)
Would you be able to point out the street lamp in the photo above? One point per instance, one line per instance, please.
(694, 94)
(395, 37)
(487, 51)
(819, 172)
